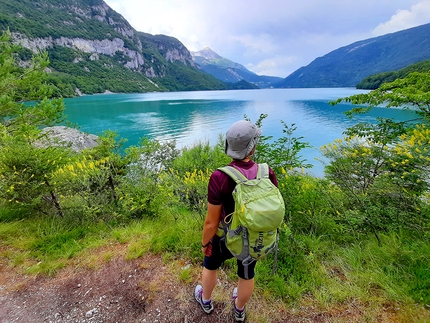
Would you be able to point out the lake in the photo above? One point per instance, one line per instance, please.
(190, 117)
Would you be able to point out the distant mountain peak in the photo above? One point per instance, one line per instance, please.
(228, 71)
(207, 53)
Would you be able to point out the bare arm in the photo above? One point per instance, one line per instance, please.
(212, 220)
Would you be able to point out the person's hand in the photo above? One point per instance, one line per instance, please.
(207, 251)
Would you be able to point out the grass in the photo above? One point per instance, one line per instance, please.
(310, 270)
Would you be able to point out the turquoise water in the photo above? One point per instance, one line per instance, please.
(190, 117)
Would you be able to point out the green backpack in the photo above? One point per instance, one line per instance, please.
(251, 231)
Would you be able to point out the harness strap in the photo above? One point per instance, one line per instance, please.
(235, 174)
(263, 171)
(238, 177)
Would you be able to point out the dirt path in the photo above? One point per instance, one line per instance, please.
(140, 290)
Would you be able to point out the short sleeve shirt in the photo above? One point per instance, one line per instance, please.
(221, 185)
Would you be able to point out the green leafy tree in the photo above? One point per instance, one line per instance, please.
(411, 92)
(383, 168)
(374, 81)
(25, 166)
(282, 153)
(19, 85)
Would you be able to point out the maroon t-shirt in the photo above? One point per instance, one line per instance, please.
(221, 185)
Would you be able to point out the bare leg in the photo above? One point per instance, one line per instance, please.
(209, 278)
(245, 289)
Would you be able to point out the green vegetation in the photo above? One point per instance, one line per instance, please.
(373, 82)
(61, 18)
(242, 85)
(181, 78)
(95, 76)
(91, 71)
(360, 235)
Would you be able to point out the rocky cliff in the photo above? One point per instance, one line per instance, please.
(87, 36)
(106, 46)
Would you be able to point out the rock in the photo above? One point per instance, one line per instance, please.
(65, 136)
(95, 47)
(90, 313)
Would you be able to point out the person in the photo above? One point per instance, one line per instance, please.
(241, 140)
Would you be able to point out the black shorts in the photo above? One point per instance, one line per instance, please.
(220, 253)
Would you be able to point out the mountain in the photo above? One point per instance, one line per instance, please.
(374, 81)
(93, 49)
(347, 66)
(227, 71)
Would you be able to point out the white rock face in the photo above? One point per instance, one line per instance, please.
(105, 46)
(176, 55)
(150, 72)
(65, 136)
(137, 59)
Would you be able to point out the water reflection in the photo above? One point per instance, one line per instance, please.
(189, 117)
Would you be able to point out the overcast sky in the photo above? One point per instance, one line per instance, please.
(272, 37)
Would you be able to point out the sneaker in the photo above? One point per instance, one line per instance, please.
(239, 316)
(206, 306)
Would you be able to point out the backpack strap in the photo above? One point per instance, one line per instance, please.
(263, 171)
(238, 177)
(235, 174)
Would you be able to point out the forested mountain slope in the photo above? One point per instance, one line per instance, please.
(347, 66)
(93, 49)
(374, 81)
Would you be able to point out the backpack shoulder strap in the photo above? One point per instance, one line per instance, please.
(263, 171)
(236, 175)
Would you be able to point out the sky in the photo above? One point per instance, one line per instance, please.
(272, 37)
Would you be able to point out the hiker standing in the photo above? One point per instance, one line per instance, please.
(241, 141)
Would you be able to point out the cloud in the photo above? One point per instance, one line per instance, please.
(419, 14)
(273, 65)
(271, 37)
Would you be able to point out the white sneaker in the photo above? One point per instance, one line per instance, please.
(206, 306)
(239, 316)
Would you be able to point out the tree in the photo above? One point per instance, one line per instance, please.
(411, 92)
(284, 152)
(19, 85)
(25, 167)
(383, 168)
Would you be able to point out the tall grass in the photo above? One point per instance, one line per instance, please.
(324, 256)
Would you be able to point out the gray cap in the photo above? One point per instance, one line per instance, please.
(241, 138)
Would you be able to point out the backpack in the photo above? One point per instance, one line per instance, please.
(251, 231)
